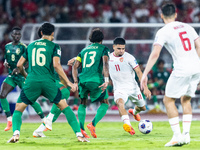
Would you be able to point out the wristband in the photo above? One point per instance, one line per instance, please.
(106, 79)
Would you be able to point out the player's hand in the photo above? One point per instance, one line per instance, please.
(147, 93)
(76, 85)
(103, 86)
(70, 62)
(15, 71)
(143, 82)
(73, 87)
(6, 65)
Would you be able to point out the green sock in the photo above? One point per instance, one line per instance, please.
(16, 120)
(155, 98)
(100, 113)
(71, 118)
(38, 109)
(76, 101)
(56, 111)
(6, 107)
(81, 115)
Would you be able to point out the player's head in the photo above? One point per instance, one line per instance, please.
(168, 11)
(160, 64)
(96, 36)
(16, 34)
(48, 30)
(119, 46)
(39, 32)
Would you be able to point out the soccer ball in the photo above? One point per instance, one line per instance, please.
(145, 126)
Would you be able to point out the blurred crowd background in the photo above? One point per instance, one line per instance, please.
(18, 12)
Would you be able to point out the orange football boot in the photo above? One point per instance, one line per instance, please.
(84, 134)
(137, 117)
(129, 128)
(9, 125)
(92, 130)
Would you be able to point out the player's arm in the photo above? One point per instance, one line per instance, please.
(75, 67)
(151, 61)
(57, 66)
(71, 61)
(105, 72)
(146, 91)
(197, 46)
(20, 66)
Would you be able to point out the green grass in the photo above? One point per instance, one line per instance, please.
(110, 135)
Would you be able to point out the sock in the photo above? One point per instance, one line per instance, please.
(5, 106)
(17, 120)
(76, 101)
(56, 112)
(50, 116)
(38, 109)
(135, 112)
(71, 118)
(125, 119)
(41, 128)
(9, 119)
(100, 113)
(81, 115)
(187, 119)
(174, 123)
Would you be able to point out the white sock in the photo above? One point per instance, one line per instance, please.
(187, 119)
(41, 128)
(125, 119)
(16, 132)
(50, 116)
(135, 112)
(174, 123)
(9, 119)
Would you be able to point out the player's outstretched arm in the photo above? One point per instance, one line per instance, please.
(197, 46)
(105, 72)
(151, 61)
(57, 66)
(146, 91)
(20, 66)
(71, 61)
(75, 67)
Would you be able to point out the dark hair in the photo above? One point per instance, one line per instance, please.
(160, 61)
(16, 28)
(168, 9)
(39, 32)
(47, 28)
(119, 40)
(96, 35)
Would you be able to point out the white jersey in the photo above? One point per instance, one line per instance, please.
(122, 72)
(178, 38)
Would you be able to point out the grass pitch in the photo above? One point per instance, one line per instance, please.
(110, 136)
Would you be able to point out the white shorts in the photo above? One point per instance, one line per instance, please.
(135, 96)
(180, 86)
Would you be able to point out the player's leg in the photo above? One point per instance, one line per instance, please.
(6, 87)
(17, 121)
(38, 110)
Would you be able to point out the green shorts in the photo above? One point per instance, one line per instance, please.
(94, 90)
(65, 91)
(33, 88)
(12, 81)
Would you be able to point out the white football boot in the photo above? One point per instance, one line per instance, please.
(48, 123)
(175, 141)
(186, 138)
(38, 134)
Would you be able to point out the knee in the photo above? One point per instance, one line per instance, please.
(120, 102)
(185, 99)
(3, 95)
(143, 108)
(105, 101)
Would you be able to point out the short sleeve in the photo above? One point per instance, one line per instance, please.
(106, 52)
(57, 51)
(194, 34)
(159, 38)
(79, 57)
(132, 62)
(25, 54)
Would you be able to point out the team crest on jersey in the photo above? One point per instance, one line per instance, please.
(18, 51)
(8, 51)
(121, 59)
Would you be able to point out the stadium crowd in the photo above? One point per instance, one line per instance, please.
(18, 12)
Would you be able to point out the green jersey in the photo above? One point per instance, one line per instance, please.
(40, 55)
(13, 54)
(92, 62)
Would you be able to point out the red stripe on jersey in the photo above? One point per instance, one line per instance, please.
(196, 39)
(157, 44)
(136, 66)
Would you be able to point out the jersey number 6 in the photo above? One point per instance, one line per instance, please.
(184, 41)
